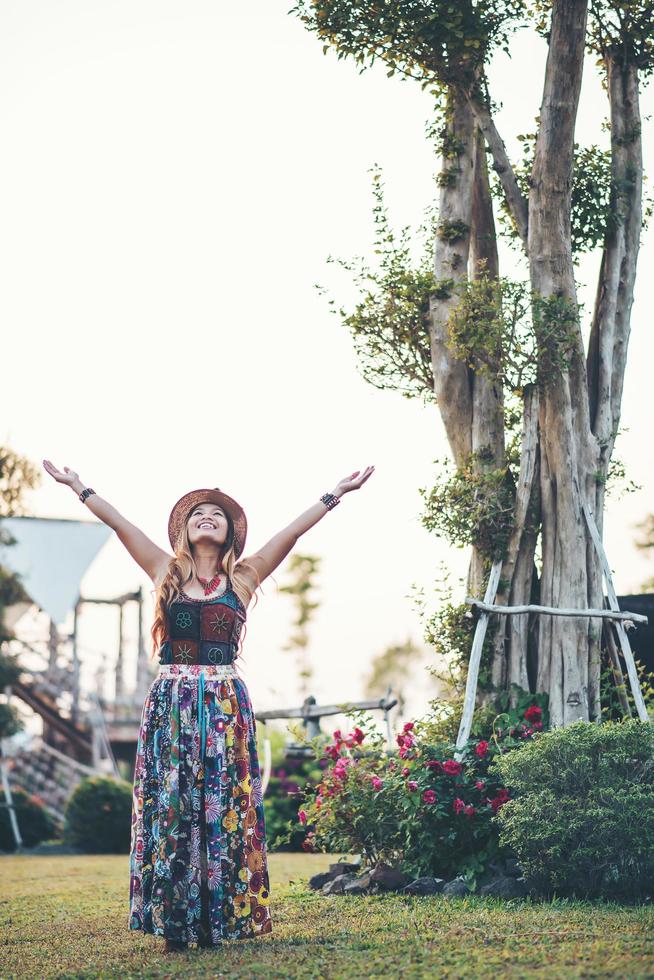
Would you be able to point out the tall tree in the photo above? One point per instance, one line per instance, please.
(391, 668)
(491, 343)
(302, 570)
(17, 474)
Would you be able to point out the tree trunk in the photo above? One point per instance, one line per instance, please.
(567, 457)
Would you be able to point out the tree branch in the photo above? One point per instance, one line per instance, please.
(607, 351)
(502, 165)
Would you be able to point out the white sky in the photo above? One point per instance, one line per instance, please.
(173, 178)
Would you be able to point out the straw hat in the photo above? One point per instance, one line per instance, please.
(182, 510)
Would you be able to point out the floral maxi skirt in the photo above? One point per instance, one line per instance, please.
(198, 860)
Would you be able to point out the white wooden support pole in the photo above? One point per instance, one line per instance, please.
(623, 639)
(10, 804)
(475, 659)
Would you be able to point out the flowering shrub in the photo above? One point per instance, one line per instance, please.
(349, 811)
(427, 809)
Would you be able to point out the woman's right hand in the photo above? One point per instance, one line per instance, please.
(68, 476)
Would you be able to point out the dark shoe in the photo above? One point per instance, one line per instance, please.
(175, 946)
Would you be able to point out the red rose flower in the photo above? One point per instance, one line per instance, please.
(499, 801)
(409, 725)
(303, 816)
(458, 806)
(482, 749)
(412, 785)
(469, 810)
(534, 713)
(452, 767)
(405, 772)
(433, 764)
(429, 796)
(358, 736)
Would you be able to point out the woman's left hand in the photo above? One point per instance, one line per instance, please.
(353, 481)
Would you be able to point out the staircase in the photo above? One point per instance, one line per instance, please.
(43, 771)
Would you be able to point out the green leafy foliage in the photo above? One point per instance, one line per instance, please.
(591, 202)
(471, 504)
(581, 820)
(612, 709)
(285, 787)
(302, 571)
(434, 41)
(624, 28)
(390, 323)
(98, 816)
(34, 821)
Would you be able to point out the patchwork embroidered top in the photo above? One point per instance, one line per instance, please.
(203, 631)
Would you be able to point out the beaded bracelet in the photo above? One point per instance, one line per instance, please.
(330, 500)
(86, 493)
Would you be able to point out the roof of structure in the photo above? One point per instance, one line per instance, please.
(51, 556)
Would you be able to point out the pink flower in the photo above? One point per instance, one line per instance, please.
(376, 783)
(337, 735)
(452, 768)
(469, 810)
(458, 805)
(358, 735)
(482, 749)
(303, 816)
(480, 785)
(409, 725)
(412, 785)
(429, 796)
(405, 771)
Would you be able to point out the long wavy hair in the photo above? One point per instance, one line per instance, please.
(182, 568)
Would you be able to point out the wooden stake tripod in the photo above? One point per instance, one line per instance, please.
(613, 614)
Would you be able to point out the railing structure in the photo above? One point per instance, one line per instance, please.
(310, 713)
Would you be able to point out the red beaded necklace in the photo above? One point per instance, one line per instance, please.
(207, 585)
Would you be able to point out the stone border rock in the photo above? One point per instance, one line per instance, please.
(346, 878)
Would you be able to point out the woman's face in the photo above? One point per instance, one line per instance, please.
(207, 523)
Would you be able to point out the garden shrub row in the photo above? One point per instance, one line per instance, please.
(575, 806)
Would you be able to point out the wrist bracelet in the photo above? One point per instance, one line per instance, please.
(330, 500)
(86, 493)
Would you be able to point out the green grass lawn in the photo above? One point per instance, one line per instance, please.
(67, 917)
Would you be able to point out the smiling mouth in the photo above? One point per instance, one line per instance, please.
(206, 524)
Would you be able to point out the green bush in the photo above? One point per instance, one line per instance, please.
(98, 816)
(34, 821)
(581, 821)
(285, 788)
